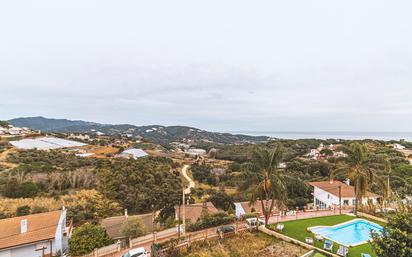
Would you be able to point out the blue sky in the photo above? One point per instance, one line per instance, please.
(217, 65)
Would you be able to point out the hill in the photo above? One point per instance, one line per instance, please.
(163, 135)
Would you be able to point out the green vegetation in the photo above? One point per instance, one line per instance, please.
(360, 167)
(133, 227)
(266, 182)
(210, 220)
(298, 230)
(86, 238)
(141, 185)
(396, 238)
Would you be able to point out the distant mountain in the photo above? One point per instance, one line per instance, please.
(156, 133)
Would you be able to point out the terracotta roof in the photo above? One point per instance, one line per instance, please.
(333, 188)
(194, 211)
(113, 225)
(40, 227)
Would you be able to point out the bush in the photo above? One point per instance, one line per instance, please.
(208, 221)
(23, 210)
(133, 227)
(86, 238)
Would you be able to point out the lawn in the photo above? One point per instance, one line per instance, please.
(244, 244)
(298, 230)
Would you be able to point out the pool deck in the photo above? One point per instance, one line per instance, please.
(342, 224)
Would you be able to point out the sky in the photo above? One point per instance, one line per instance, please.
(220, 65)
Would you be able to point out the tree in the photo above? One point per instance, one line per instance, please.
(265, 180)
(133, 227)
(221, 200)
(326, 152)
(360, 167)
(396, 237)
(86, 238)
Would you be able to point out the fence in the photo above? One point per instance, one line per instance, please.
(106, 250)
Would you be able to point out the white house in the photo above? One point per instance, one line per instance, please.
(399, 147)
(326, 194)
(33, 235)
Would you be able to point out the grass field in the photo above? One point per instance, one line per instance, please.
(298, 230)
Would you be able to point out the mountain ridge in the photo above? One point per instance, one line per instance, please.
(155, 133)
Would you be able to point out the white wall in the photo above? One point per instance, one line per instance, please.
(330, 199)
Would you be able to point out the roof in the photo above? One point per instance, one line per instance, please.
(40, 227)
(194, 211)
(113, 225)
(45, 143)
(134, 152)
(332, 187)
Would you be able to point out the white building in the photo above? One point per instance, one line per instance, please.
(33, 235)
(399, 147)
(194, 152)
(326, 194)
(134, 153)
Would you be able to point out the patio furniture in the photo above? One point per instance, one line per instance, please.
(328, 245)
(280, 227)
(319, 237)
(342, 251)
(365, 255)
(309, 240)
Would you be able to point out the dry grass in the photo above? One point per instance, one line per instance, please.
(244, 245)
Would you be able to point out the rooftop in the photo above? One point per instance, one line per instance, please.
(40, 227)
(332, 187)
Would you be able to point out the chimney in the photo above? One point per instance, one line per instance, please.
(125, 213)
(23, 226)
(331, 181)
(347, 181)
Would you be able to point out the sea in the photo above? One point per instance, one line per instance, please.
(386, 136)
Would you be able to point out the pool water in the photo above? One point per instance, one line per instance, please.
(350, 233)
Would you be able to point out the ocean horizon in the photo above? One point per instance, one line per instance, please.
(353, 135)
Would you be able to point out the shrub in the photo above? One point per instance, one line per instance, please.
(23, 210)
(133, 227)
(208, 221)
(86, 238)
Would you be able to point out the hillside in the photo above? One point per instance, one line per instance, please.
(156, 133)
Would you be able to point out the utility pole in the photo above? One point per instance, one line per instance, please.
(340, 199)
(184, 212)
(178, 226)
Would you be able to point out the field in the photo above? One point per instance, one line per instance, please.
(244, 245)
(297, 229)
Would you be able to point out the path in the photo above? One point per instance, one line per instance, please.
(3, 158)
(189, 179)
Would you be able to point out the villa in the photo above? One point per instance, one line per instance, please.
(326, 194)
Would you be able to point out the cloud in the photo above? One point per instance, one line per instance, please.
(232, 65)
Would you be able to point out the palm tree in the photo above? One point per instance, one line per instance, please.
(265, 181)
(360, 168)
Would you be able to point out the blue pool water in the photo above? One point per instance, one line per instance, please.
(348, 234)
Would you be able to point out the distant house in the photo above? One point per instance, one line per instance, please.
(32, 235)
(194, 152)
(326, 194)
(194, 211)
(113, 225)
(399, 147)
(134, 153)
(242, 208)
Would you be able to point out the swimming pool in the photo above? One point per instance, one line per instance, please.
(351, 233)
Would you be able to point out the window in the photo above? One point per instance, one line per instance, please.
(345, 202)
(328, 196)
